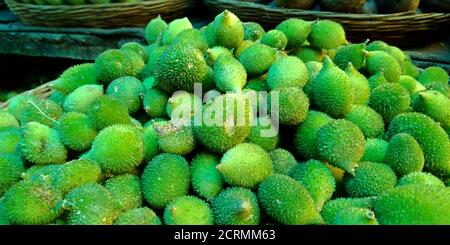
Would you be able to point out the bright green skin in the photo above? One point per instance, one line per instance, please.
(253, 31)
(370, 179)
(236, 206)
(188, 210)
(28, 203)
(296, 31)
(126, 191)
(308, 53)
(3, 219)
(361, 86)
(80, 99)
(174, 28)
(377, 45)
(206, 180)
(377, 80)
(287, 201)
(397, 54)
(183, 105)
(317, 178)
(138, 216)
(381, 61)
(154, 53)
(326, 34)
(244, 45)
(19, 103)
(75, 131)
(165, 178)
(174, 138)
(90, 204)
(368, 121)
(212, 54)
(408, 83)
(420, 178)
(106, 111)
(192, 37)
(414, 205)
(275, 39)
(179, 67)
(118, 148)
(150, 138)
(283, 161)
(256, 137)
(137, 48)
(355, 216)
(155, 103)
(293, 104)
(115, 63)
(10, 140)
(433, 75)
(404, 155)
(43, 175)
(129, 91)
(333, 90)
(148, 83)
(333, 207)
(352, 53)
(154, 29)
(340, 143)
(77, 173)
(375, 150)
(57, 97)
(11, 169)
(44, 111)
(306, 135)
(428, 134)
(287, 72)
(229, 74)
(228, 30)
(435, 105)
(314, 69)
(223, 137)
(408, 68)
(8, 120)
(75, 77)
(245, 165)
(389, 100)
(208, 32)
(263, 53)
(41, 145)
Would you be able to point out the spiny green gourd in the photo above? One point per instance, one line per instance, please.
(340, 143)
(309, 53)
(377, 80)
(10, 140)
(75, 131)
(361, 86)
(404, 155)
(165, 178)
(296, 31)
(174, 28)
(154, 29)
(375, 150)
(333, 90)
(192, 37)
(350, 53)
(356, 216)
(174, 138)
(126, 191)
(433, 75)
(154, 53)
(57, 97)
(213, 53)
(317, 178)
(264, 134)
(125, 148)
(228, 30)
(420, 178)
(314, 69)
(138, 216)
(306, 134)
(106, 111)
(182, 105)
(236, 206)
(229, 74)
(435, 105)
(77, 173)
(287, 72)
(150, 138)
(408, 68)
(114, 63)
(244, 45)
(128, 90)
(428, 134)
(44, 111)
(148, 83)
(8, 120)
(326, 34)
(155, 102)
(80, 99)
(253, 31)
(11, 169)
(414, 204)
(137, 48)
(370, 179)
(19, 103)
(41, 145)
(293, 105)
(74, 77)
(188, 210)
(389, 100)
(333, 207)
(29, 203)
(283, 161)
(409, 83)
(264, 54)
(368, 121)
(287, 201)
(377, 61)
(275, 39)
(245, 165)
(206, 180)
(44, 175)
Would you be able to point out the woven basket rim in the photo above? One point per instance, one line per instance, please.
(88, 5)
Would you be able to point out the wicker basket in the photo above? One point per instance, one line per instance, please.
(99, 15)
(43, 91)
(403, 29)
